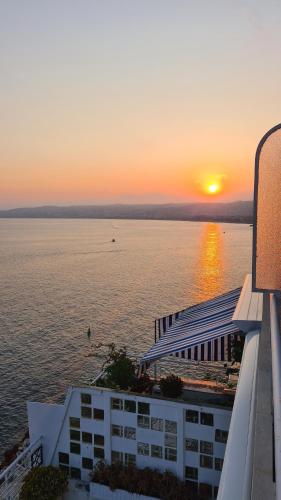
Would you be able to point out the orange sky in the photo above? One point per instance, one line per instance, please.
(134, 103)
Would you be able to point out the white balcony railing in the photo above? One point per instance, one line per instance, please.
(235, 482)
(12, 477)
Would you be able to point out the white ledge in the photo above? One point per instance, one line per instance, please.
(248, 313)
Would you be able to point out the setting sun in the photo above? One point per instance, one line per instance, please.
(210, 184)
(213, 188)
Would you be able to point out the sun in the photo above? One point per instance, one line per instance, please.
(211, 184)
(213, 188)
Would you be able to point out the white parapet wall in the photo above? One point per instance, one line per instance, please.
(45, 421)
(248, 313)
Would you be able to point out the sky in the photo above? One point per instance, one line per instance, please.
(135, 101)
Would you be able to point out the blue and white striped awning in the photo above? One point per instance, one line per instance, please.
(201, 332)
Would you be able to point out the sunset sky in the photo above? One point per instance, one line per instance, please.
(135, 100)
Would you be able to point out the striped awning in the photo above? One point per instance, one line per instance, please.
(201, 332)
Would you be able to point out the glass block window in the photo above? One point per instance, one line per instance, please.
(191, 473)
(87, 463)
(98, 440)
(98, 414)
(75, 473)
(117, 430)
(74, 435)
(64, 468)
(143, 422)
(206, 461)
(156, 424)
(116, 456)
(130, 405)
(144, 408)
(221, 436)
(206, 447)
(171, 454)
(130, 459)
(192, 416)
(116, 404)
(75, 448)
(98, 453)
(129, 432)
(86, 399)
(87, 437)
(143, 449)
(218, 463)
(86, 412)
(170, 441)
(74, 422)
(207, 419)
(156, 451)
(191, 444)
(63, 458)
(171, 426)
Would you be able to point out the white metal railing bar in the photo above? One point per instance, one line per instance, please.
(276, 383)
(12, 477)
(235, 482)
(20, 457)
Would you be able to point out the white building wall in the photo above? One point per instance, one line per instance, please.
(57, 439)
(44, 420)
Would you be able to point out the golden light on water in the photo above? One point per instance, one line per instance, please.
(211, 263)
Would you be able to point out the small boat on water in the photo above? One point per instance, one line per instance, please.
(113, 240)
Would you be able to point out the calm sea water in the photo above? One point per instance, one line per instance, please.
(60, 276)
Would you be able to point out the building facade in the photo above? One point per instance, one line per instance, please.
(94, 424)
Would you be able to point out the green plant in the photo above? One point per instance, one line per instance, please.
(120, 371)
(171, 386)
(44, 483)
(143, 384)
(237, 346)
(230, 385)
(152, 482)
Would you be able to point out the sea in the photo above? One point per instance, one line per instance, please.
(60, 276)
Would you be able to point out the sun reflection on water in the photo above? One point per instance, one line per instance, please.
(209, 271)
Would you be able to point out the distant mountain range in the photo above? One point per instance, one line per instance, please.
(239, 211)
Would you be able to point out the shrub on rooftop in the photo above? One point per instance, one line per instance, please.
(150, 482)
(171, 386)
(44, 483)
(143, 384)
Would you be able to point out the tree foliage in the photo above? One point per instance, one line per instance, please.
(120, 371)
(44, 483)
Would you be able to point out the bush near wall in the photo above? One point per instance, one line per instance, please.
(44, 483)
(150, 482)
(171, 386)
